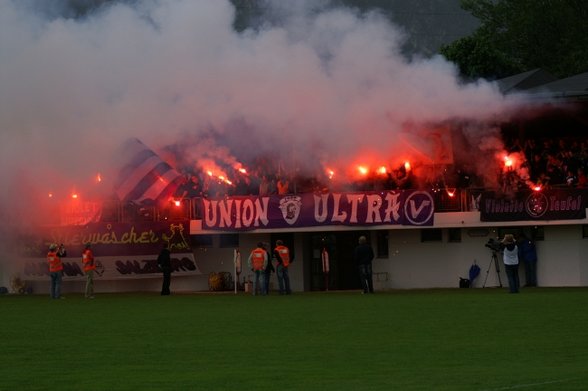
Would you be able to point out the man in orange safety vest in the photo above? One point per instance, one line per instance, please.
(284, 258)
(55, 271)
(89, 267)
(257, 262)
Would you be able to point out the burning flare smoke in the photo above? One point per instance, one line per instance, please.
(322, 91)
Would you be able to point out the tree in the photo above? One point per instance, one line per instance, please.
(520, 35)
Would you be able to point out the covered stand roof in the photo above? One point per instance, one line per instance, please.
(542, 85)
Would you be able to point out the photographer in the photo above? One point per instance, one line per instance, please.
(55, 269)
(494, 245)
(61, 251)
(510, 257)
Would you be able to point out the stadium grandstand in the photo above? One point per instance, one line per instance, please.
(427, 223)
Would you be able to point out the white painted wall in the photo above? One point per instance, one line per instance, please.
(411, 264)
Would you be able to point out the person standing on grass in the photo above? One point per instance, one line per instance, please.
(283, 259)
(528, 255)
(89, 267)
(55, 270)
(257, 262)
(269, 269)
(363, 256)
(164, 263)
(326, 267)
(510, 256)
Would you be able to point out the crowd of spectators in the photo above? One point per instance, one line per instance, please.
(260, 180)
(547, 163)
(543, 163)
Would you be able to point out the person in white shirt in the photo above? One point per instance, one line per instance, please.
(510, 257)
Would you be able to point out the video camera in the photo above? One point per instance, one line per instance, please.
(494, 245)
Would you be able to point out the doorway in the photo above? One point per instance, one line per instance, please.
(343, 274)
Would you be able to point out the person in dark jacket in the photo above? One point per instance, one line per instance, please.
(269, 269)
(363, 256)
(164, 263)
(528, 255)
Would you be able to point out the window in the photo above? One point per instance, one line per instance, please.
(431, 235)
(202, 241)
(229, 240)
(454, 235)
(382, 244)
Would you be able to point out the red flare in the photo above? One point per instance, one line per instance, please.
(330, 173)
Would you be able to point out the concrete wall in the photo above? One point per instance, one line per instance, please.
(562, 260)
(410, 264)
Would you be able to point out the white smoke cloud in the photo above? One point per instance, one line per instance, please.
(316, 82)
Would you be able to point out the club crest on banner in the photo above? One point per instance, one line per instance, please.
(536, 204)
(290, 207)
(419, 207)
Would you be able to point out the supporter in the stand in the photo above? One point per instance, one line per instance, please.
(537, 166)
(242, 185)
(218, 189)
(553, 171)
(530, 148)
(190, 187)
(182, 189)
(509, 182)
(283, 186)
(206, 186)
(194, 187)
(266, 186)
(582, 180)
(544, 181)
(571, 179)
(253, 184)
(401, 178)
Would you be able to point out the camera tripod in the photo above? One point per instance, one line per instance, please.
(493, 260)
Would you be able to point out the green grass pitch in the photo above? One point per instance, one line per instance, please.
(455, 339)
